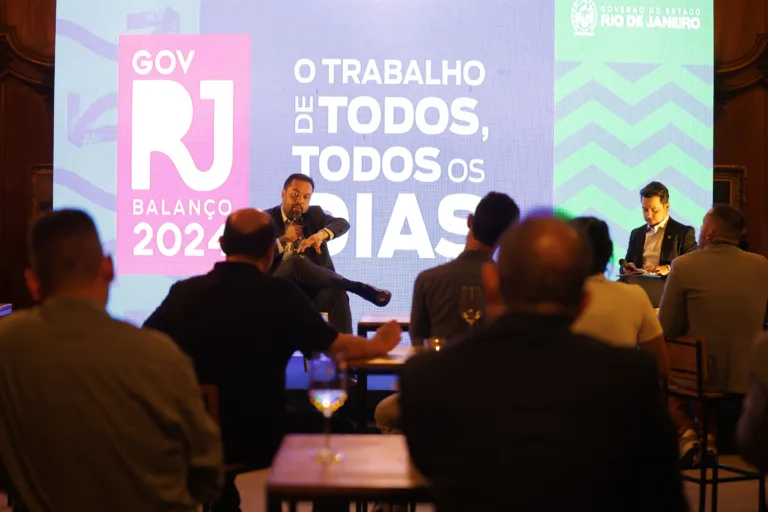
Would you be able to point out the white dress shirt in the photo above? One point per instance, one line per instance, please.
(654, 236)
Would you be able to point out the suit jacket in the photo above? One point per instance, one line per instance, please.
(718, 294)
(313, 221)
(494, 421)
(679, 239)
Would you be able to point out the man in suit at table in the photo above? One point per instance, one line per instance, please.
(654, 245)
(493, 422)
(302, 254)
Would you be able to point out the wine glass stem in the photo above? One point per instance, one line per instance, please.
(327, 431)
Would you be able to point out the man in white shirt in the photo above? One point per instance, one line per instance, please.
(617, 313)
(653, 246)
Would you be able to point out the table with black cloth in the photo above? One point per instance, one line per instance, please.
(653, 285)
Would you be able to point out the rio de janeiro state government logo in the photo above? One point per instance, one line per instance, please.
(584, 17)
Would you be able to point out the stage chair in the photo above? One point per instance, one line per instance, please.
(688, 361)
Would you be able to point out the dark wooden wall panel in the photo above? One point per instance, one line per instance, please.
(27, 130)
(741, 118)
(27, 33)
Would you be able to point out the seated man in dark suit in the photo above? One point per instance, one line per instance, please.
(654, 245)
(302, 255)
(526, 415)
(241, 326)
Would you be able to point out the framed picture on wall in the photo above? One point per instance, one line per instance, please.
(730, 186)
(40, 189)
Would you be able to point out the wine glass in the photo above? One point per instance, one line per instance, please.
(436, 344)
(471, 304)
(327, 392)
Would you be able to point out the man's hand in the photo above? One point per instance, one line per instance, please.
(388, 336)
(315, 241)
(661, 270)
(293, 233)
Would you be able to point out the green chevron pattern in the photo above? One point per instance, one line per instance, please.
(621, 132)
(630, 135)
(633, 92)
(628, 176)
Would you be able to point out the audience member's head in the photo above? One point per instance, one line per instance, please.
(249, 236)
(494, 214)
(597, 235)
(66, 258)
(654, 198)
(724, 224)
(543, 264)
(297, 192)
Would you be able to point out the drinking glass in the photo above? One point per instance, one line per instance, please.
(471, 304)
(436, 344)
(327, 392)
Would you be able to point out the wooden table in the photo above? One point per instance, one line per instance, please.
(387, 365)
(374, 468)
(5, 309)
(369, 323)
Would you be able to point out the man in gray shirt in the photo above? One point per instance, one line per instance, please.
(97, 414)
(437, 292)
(717, 294)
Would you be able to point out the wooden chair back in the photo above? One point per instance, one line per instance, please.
(687, 358)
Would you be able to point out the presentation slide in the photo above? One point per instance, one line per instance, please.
(171, 114)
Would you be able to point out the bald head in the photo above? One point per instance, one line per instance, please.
(543, 262)
(248, 220)
(249, 233)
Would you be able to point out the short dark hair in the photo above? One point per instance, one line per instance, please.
(64, 249)
(255, 244)
(300, 177)
(494, 214)
(730, 220)
(595, 233)
(655, 189)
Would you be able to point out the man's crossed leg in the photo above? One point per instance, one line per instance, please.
(327, 289)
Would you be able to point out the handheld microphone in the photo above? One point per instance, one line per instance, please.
(295, 217)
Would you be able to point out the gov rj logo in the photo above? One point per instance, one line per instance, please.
(183, 154)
